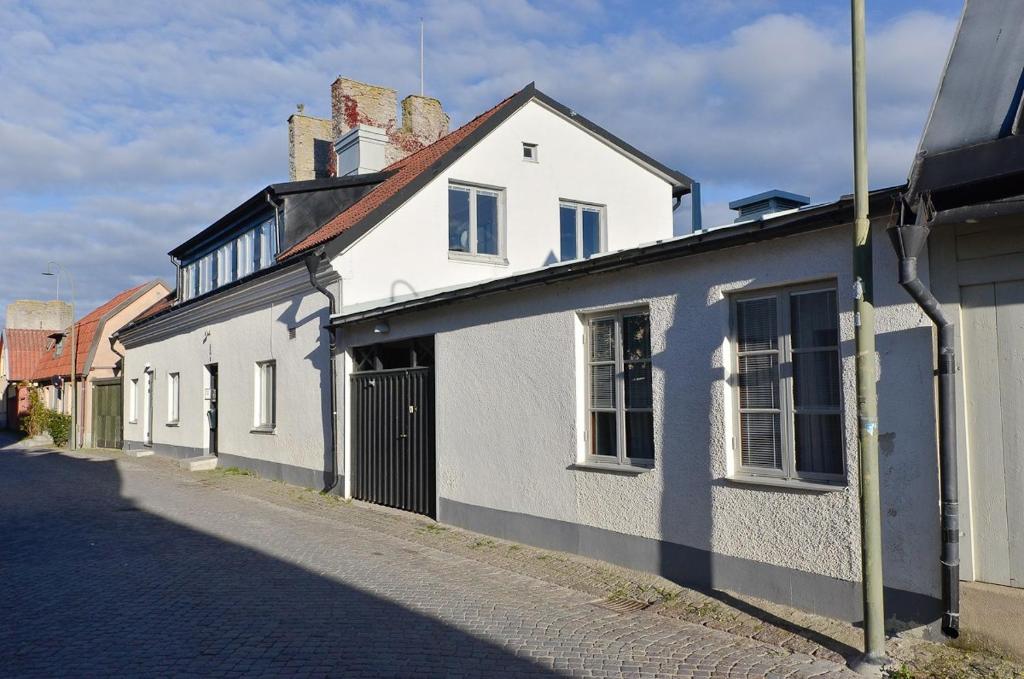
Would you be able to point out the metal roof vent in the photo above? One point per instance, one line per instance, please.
(761, 204)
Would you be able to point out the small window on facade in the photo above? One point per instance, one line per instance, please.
(172, 398)
(266, 398)
(133, 401)
(788, 383)
(530, 152)
(620, 426)
(476, 221)
(581, 230)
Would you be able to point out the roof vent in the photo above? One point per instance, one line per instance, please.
(761, 204)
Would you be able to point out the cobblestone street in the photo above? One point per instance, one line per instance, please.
(115, 566)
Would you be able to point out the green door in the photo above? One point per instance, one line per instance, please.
(106, 415)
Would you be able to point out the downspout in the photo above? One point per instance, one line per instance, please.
(908, 240)
(312, 261)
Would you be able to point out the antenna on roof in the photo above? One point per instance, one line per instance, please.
(421, 56)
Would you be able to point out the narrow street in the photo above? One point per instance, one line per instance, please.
(115, 566)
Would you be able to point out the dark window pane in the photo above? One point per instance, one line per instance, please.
(819, 445)
(640, 436)
(458, 220)
(591, 232)
(761, 440)
(486, 224)
(759, 381)
(638, 385)
(602, 434)
(602, 386)
(567, 232)
(602, 340)
(636, 337)
(756, 324)
(815, 321)
(816, 379)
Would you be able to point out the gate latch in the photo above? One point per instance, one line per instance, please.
(412, 410)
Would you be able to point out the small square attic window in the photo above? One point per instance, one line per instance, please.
(530, 152)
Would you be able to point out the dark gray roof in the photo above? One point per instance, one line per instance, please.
(979, 96)
(973, 135)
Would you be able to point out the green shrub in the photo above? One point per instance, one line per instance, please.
(59, 426)
(36, 420)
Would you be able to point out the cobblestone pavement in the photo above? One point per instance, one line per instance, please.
(113, 566)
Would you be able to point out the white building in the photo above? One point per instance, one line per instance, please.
(238, 365)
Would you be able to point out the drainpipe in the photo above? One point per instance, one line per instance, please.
(908, 240)
(312, 261)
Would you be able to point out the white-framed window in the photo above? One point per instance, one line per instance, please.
(226, 263)
(476, 221)
(173, 393)
(530, 152)
(133, 401)
(581, 229)
(266, 235)
(619, 407)
(244, 253)
(788, 384)
(265, 415)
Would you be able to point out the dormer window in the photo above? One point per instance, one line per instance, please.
(243, 255)
(529, 152)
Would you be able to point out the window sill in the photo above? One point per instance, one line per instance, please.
(172, 424)
(263, 430)
(786, 484)
(610, 468)
(470, 258)
(133, 421)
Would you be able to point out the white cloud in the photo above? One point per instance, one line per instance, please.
(125, 127)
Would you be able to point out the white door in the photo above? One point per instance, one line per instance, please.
(993, 337)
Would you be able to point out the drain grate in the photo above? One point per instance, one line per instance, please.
(621, 604)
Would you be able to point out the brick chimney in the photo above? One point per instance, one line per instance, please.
(363, 134)
(310, 146)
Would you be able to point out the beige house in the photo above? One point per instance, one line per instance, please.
(97, 367)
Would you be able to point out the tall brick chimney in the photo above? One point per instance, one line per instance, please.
(364, 132)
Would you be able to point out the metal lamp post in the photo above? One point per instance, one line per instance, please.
(74, 350)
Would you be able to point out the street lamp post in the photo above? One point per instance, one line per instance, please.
(74, 349)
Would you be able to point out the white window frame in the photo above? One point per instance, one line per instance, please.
(533, 155)
(620, 458)
(472, 255)
(133, 401)
(788, 474)
(263, 421)
(173, 398)
(580, 207)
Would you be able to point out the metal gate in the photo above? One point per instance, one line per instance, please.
(393, 439)
(106, 414)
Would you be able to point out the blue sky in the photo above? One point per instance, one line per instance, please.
(126, 127)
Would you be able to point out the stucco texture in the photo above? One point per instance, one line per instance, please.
(509, 412)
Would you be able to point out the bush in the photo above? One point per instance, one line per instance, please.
(37, 419)
(59, 426)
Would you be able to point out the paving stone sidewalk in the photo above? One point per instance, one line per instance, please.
(114, 566)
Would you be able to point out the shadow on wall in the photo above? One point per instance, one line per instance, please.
(319, 359)
(99, 585)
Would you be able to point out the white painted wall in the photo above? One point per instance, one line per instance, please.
(235, 329)
(407, 253)
(509, 424)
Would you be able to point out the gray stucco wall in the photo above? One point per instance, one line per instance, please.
(509, 414)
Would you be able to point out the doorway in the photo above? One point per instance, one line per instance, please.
(393, 449)
(211, 408)
(147, 408)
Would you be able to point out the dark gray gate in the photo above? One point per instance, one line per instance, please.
(393, 438)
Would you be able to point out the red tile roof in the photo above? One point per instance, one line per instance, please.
(405, 171)
(25, 347)
(87, 336)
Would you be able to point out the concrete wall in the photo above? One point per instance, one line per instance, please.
(407, 253)
(236, 329)
(510, 421)
(32, 314)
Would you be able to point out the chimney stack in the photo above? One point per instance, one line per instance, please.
(363, 134)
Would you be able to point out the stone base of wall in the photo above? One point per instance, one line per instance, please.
(993, 613)
(265, 469)
(690, 566)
